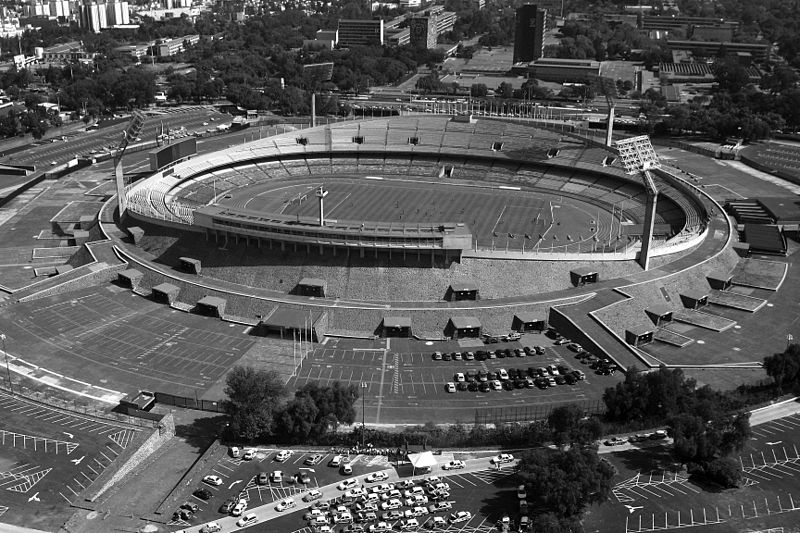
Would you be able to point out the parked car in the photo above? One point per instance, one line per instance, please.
(314, 459)
(203, 494)
(312, 495)
(454, 465)
(283, 455)
(277, 476)
(285, 504)
(502, 458)
(213, 480)
(460, 516)
(227, 505)
(239, 508)
(211, 527)
(247, 520)
(377, 476)
(249, 455)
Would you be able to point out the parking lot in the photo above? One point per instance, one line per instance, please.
(49, 457)
(651, 493)
(487, 493)
(239, 479)
(404, 384)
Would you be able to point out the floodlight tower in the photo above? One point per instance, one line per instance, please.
(321, 194)
(132, 131)
(608, 88)
(638, 157)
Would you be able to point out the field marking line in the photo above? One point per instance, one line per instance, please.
(499, 217)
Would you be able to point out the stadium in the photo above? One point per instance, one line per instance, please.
(407, 226)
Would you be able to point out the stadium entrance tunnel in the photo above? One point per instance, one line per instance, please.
(526, 322)
(582, 276)
(639, 335)
(694, 299)
(211, 306)
(720, 280)
(291, 323)
(462, 290)
(189, 265)
(460, 327)
(165, 293)
(396, 326)
(311, 287)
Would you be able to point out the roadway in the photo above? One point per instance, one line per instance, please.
(56, 151)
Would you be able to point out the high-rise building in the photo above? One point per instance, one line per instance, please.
(529, 31)
(422, 31)
(60, 8)
(94, 16)
(117, 13)
(354, 32)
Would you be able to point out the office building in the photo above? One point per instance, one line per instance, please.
(529, 31)
(564, 70)
(354, 32)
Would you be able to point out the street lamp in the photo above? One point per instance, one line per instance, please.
(8, 370)
(363, 412)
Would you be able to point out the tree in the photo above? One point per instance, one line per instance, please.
(254, 397)
(569, 426)
(565, 482)
(478, 90)
(725, 471)
(784, 368)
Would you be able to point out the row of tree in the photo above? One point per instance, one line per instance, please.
(707, 426)
(260, 407)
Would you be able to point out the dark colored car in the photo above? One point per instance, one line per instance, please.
(484, 387)
(229, 504)
(462, 386)
(519, 384)
(571, 379)
(508, 385)
(472, 387)
(203, 494)
(446, 357)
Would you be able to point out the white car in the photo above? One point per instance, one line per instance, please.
(318, 520)
(343, 518)
(249, 455)
(437, 522)
(377, 476)
(391, 504)
(380, 527)
(460, 516)
(409, 525)
(288, 503)
(416, 511)
(240, 508)
(276, 476)
(247, 520)
(502, 458)
(450, 386)
(347, 484)
(355, 492)
(383, 487)
(411, 492)
(213, 480)
(283, 455)
(312, 495)
(454, 465)
(416, 499)
(393, 494)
